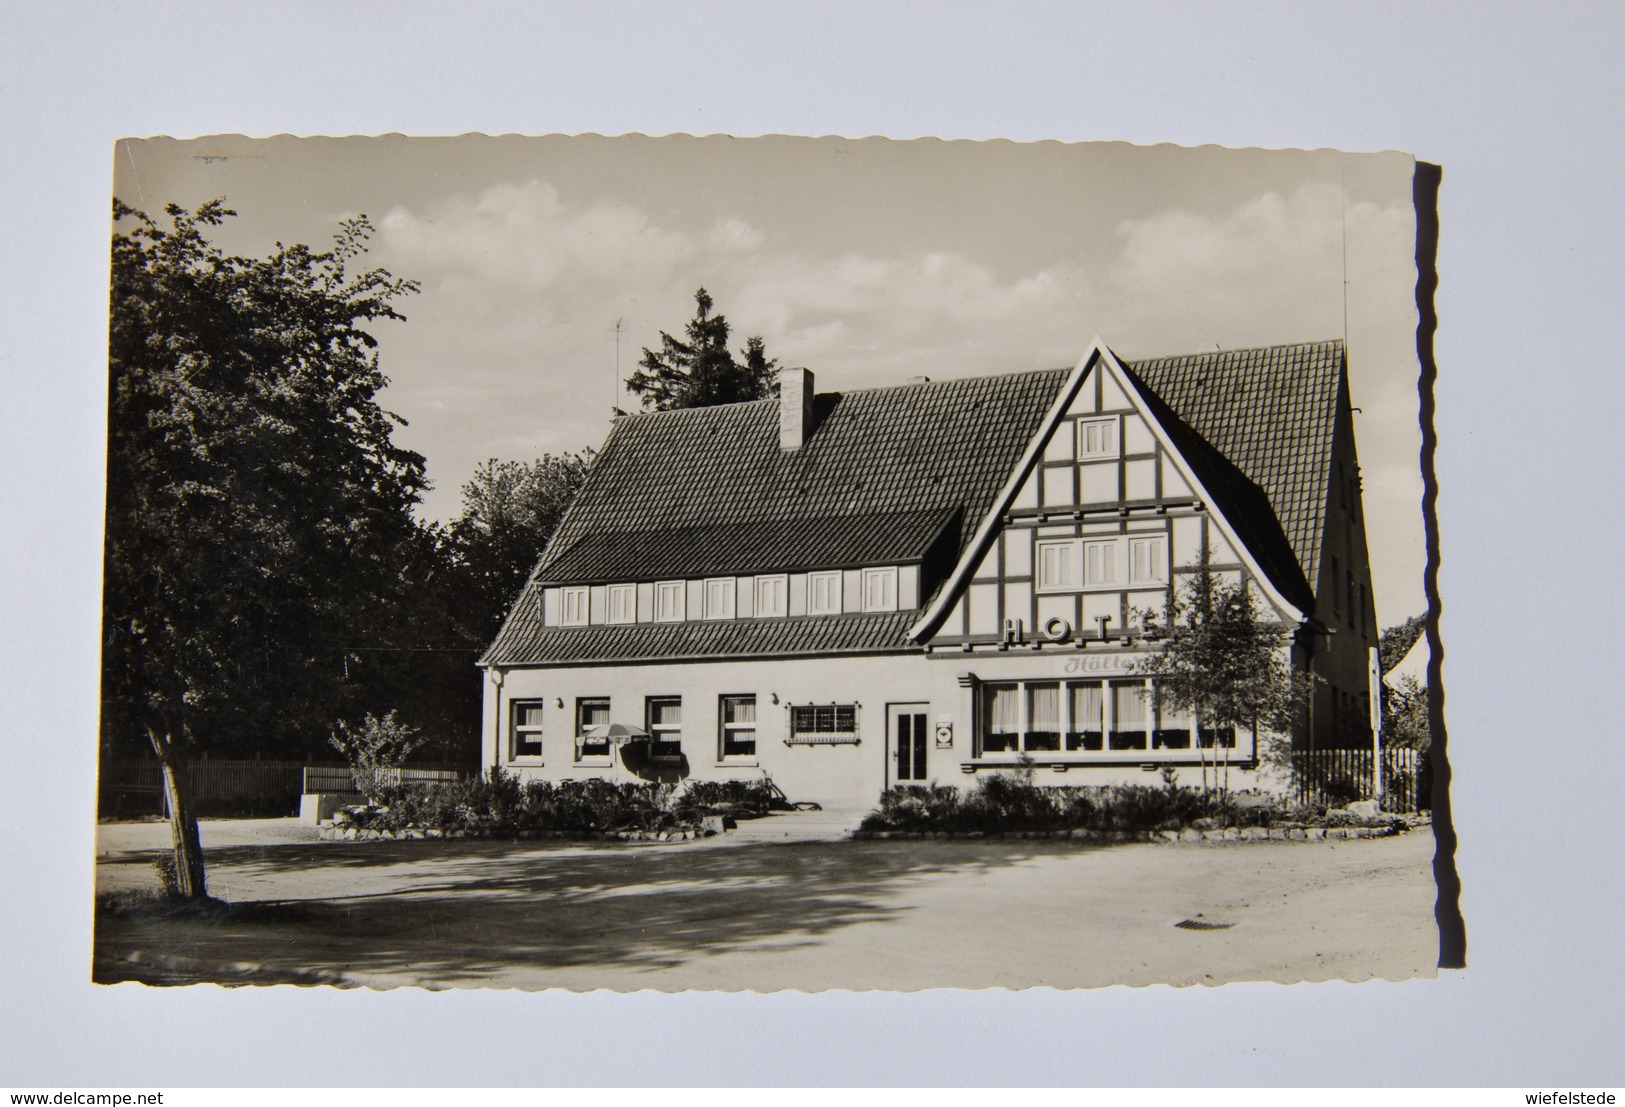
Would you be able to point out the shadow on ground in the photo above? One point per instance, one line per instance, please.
(460, 913)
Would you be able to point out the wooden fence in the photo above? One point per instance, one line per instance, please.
(337, 778)
(225, 788)
(1341, 776)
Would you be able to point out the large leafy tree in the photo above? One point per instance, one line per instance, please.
(510, 510)
(1222, 660)
(258, 510)
(1396, 641)
(699, 370)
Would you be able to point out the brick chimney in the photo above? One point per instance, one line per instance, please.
(795, 407)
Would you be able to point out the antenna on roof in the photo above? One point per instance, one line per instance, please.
(1343, 189)
(615, 400)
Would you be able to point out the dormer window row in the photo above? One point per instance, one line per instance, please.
(761, 596)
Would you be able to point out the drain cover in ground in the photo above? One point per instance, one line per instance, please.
(1202, 924)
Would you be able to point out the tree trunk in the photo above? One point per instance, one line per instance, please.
(183, 833)
(1196, 725)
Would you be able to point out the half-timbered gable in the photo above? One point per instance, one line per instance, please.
(1104, 523)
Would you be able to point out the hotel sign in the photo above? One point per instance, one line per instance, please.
(1102, 664)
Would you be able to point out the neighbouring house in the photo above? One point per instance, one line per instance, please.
(932, 580)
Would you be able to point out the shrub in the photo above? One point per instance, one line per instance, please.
(499, 802)
(916, 807)
(1011, 801)
(730, 793)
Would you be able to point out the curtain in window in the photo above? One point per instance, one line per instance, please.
(1173, 728)
(1003, 709)
(1043, 717)
(1130, 713)
(1088, 717)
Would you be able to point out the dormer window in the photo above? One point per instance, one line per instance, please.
(772, 596)
(880, 589)
(719, 598)
(669, 597)
(824, 593)
(573, 607)
(623, 603)
(1098, 439)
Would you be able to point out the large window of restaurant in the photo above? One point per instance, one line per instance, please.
(1085, 716)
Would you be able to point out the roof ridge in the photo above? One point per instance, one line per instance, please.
(849, 392)
(1307, 344)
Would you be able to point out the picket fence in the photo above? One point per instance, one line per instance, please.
(1337, 777)
(223, 788)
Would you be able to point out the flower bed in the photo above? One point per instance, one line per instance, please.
(498, 805)
(1012, 806)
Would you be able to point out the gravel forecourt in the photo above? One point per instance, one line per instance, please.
(781, 903)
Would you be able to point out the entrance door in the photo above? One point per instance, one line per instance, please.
(906, 722)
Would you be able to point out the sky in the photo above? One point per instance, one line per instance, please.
(867, 261)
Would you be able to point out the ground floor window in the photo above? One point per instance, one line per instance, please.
(737, 721)
(527, 729)
(823, 724)
(1085, 716)
(590, 713)
(665, 726)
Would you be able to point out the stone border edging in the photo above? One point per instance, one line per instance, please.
(1188, 836)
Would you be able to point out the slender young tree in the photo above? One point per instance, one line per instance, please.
(258, 511)
(1222, 662)
(700, 371)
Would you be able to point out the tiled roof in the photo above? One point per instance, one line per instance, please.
(782, 545)
(1266, 414)
(887, 472)
(876, 451)
(525, 641)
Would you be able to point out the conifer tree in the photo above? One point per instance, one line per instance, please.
(700, 371)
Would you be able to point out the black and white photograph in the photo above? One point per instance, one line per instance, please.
(747, 564)
(583, 551)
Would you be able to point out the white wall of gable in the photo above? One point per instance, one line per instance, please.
(1018, 552)
(983, 608)
(1137, 437)
(1140, 479)
(1059, 490)
(1111, 396)
(1027, 492)
(1097, 483)
(1174, 485)
(1085, 402)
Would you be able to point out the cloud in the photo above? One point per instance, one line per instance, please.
(511, 349)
